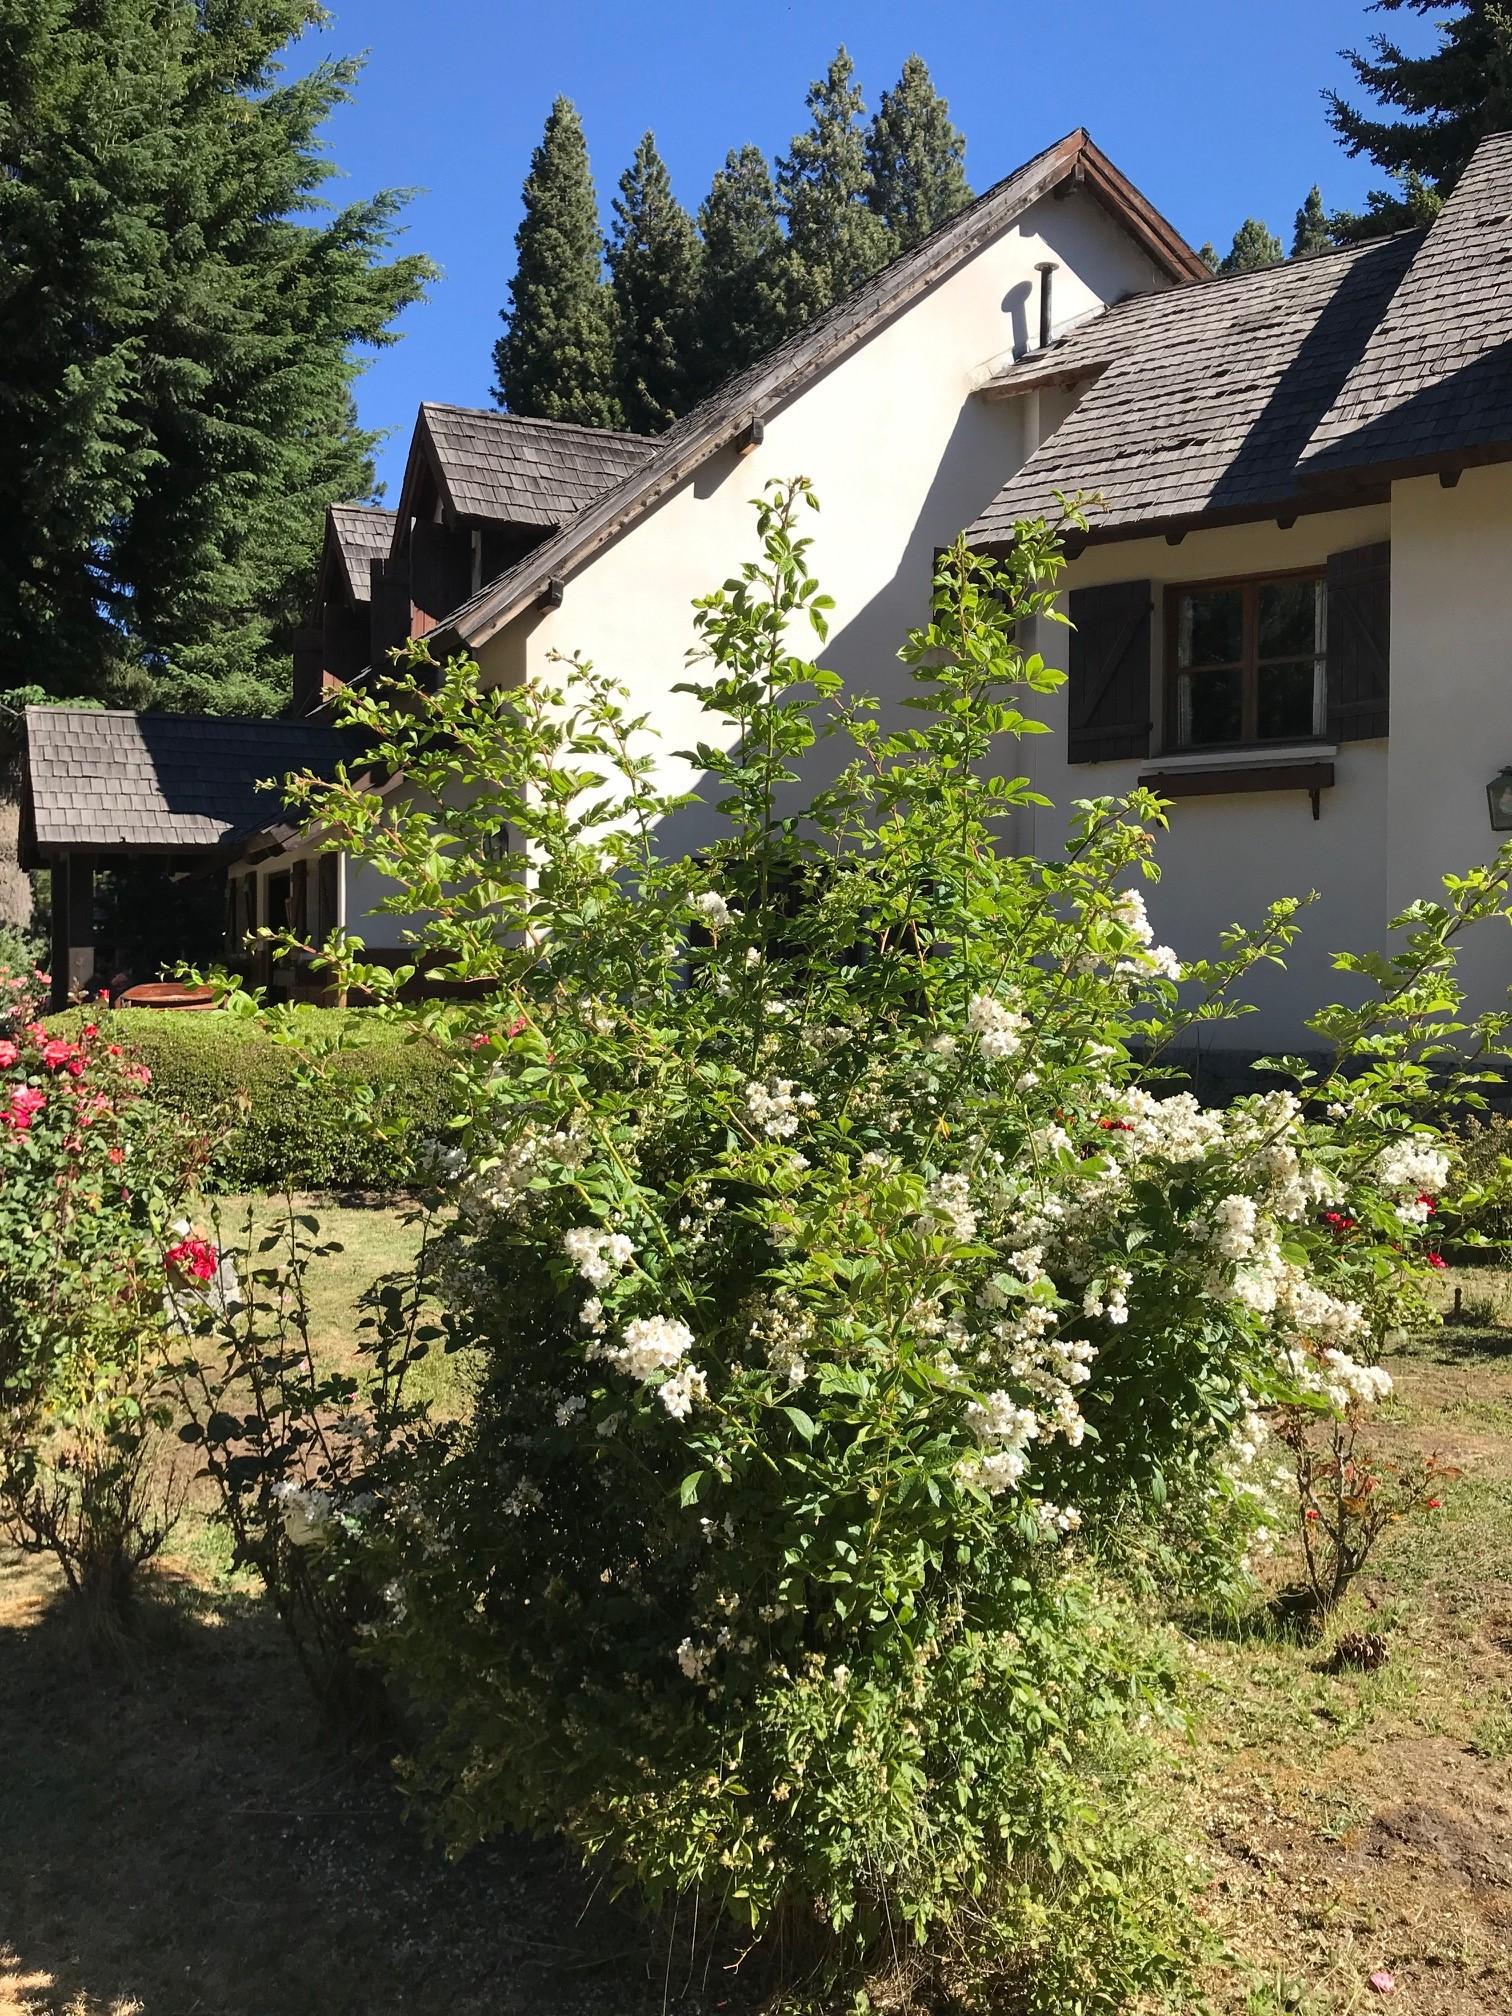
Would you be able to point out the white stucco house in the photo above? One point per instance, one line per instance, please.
(1292, 610)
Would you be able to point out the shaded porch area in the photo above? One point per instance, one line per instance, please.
(151, 809)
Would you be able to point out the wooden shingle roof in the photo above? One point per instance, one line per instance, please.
(1204, 398)
(517, 471)
(1304, 383)
(363, 533)
(1436, 376)
(114, 781)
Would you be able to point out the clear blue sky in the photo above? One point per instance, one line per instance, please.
(1211, 106)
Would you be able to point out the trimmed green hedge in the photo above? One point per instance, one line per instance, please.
(353, 1122)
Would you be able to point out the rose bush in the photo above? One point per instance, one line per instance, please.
(90, 1178)
(845, 1274)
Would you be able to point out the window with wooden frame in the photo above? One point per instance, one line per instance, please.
(1246, 661)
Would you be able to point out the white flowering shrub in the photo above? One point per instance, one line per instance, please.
(842, 1268)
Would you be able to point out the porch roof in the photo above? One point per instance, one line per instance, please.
(105, 781)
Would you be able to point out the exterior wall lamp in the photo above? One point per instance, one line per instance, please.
(1499, 798)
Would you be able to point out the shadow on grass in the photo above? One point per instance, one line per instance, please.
(1462, 1344)
(177, 1838)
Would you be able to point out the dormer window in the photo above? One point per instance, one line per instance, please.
(1247, 661)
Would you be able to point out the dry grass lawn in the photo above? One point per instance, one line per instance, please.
(178, 1838)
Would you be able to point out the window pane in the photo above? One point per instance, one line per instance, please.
(1210, 627)
(1288, 701)
(1212, 706)
(1289, 618)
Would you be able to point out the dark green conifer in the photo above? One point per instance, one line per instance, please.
(916, 158)
(1312, 232)
(824, 187)
(1449, 100)
(742, 300)
(179, 316)
(555, 359)
(1255, 245)
(653, 262)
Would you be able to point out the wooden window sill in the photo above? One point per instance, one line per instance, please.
(1229, 779)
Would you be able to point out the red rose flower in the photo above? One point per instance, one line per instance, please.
(193, 1256)
(26, 1103)
(90, 1031)
(56, 1053)
(1436, 1260)
(9, 1054)
(1116, 1126)
(1312, 1512)
(1430, 1202)
(1434, 1504)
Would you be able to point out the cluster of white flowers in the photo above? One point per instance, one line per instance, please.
(776, 1107)
(1057, 1518)
(695, 1660)
(651, 1344)
(714, 911)
(1113, 1302)
(999, 1029)
(500, 1185)
(1233, 1230)
(947, 1206)
(1129, 909)
(306, 1512)
(1348, 1383)
(1004, 1430)
(598, 1256)
(784, 1328)
(1177, 1129)
(679, 1393)
(569, 1409)
(1410, 1166)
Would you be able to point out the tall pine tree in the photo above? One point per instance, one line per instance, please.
(916, 159)
(1255, 246)
(178, 316)
(824, 189)
(653, 262)
(1312, 233)
(1450, 99)
(555, 360)
(742, 304)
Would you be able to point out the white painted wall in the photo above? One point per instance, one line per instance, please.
(1404, 810)
(901, 457)
(1451, 694)
(1225, 858)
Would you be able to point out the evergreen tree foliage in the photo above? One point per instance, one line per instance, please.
(555, 360)
(1255, 245)
(824, 190)
(1449, 100)
(654, 257)
(742, 299)
(1312, 232)
(178, 315)
(1207, 253)
(915, 158)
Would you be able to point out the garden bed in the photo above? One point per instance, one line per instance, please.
(180, 1838)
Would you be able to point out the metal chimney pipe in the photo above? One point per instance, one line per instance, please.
(1046, 269)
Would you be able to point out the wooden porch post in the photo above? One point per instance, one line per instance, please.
(73, 946)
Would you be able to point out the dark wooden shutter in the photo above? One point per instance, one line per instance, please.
(1359, 643)
(326, 919)
(1109, 690)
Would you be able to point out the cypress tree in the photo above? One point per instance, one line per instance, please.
(742, 300)
(915, 158)
(1255, 246)
(824, 188)
(653, 263)
(1312, 232)
(177, 327)
(555, 360)
(1450, 100)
